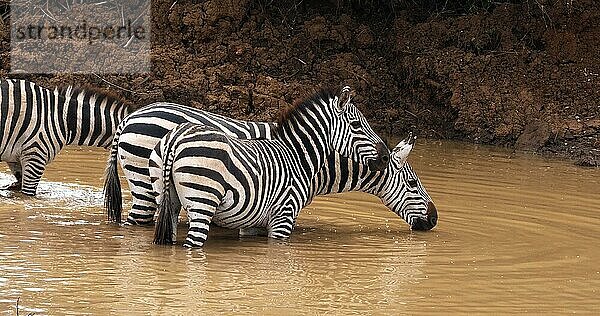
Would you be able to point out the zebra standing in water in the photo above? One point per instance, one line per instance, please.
(37, 123)
(256, 183)
(398, 185)
(134, 140)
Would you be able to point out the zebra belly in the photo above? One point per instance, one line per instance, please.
(11, 151)
(223, 219)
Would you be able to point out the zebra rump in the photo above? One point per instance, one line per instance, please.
(139, 133)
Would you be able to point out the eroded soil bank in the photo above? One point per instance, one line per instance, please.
(524, 75)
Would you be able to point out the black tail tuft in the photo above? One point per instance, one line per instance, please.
(163, 231)
(112, 189)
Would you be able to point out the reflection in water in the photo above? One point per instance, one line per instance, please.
(515, 234)
(53, 194)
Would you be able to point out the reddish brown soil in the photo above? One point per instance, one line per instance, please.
(522, 75)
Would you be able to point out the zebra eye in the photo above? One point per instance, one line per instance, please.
(412, 182)
(355, 124)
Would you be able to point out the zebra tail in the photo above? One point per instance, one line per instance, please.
(113, 201)
(163, 230)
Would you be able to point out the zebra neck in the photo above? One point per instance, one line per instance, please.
(307, 142)
(340, 174)
(375, 182)
(91, 118)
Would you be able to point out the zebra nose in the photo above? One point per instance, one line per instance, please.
(385, 158)
(432, 215)
(421, 223)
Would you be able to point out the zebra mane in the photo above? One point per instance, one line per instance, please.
(309, 100)
(93, 90)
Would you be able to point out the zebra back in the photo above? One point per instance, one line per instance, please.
(93, 115)
(37, 123)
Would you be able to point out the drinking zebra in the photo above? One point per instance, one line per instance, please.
(244, 183)
(398, 185)
(37, 123)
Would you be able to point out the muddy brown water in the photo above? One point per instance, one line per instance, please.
(517, 233)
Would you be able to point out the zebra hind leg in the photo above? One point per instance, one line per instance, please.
(199, 225)
(143, 214)
(143, 209)
(143, 193)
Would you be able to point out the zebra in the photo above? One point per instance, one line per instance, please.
(37, 123)
(244, 183)
(134, 140)
(398, 186)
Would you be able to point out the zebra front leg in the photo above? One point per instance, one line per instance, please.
(282, 225)
(33, 168)
(15, 169)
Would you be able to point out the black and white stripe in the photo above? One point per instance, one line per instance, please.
(37, 123)
(240, 183)
(134, 140)
(398, 185)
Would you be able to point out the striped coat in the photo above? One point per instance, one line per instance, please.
(398, 185)
(36, 123)
(238, 183)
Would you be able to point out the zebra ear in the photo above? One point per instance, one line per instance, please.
(402, 150)
(344, 99)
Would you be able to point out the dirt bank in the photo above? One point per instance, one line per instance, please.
(524, 75)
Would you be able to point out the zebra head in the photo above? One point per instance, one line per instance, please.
(404, 194)
(354, 137)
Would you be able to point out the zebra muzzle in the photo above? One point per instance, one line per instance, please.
(429, 222)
